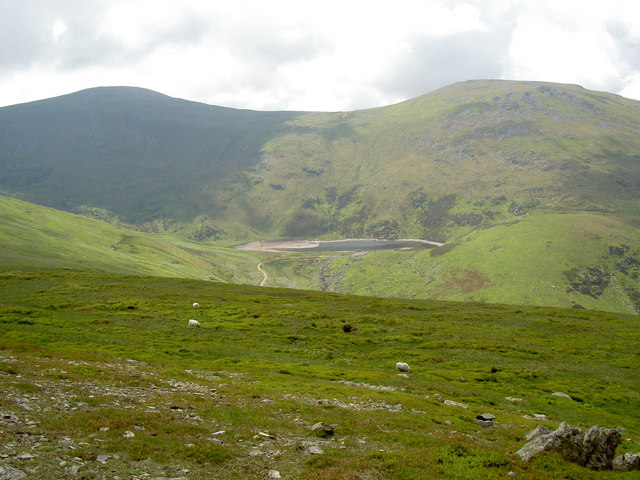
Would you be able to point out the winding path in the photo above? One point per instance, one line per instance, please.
(261, 270)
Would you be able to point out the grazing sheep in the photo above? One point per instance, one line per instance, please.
(196, 305)
(194, 323)
(403, 367)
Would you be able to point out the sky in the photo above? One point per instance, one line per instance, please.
(322, 55)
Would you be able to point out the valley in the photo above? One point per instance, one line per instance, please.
(531, 187)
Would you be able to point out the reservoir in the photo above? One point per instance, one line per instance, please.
(349, 245)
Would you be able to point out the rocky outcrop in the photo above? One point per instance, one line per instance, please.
(10, 473)
(594, 449)
(627, 462)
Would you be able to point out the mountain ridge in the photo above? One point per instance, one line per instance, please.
(145, 156)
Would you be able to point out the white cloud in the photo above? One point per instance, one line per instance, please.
(312, 55)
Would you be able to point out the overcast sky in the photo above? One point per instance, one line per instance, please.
(323, 55)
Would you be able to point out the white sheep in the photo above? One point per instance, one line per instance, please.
(196, 305)
(403, 367)
(194, 323)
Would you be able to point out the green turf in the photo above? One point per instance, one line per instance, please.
(89, 350)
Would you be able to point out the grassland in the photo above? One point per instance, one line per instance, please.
(530, 261)
(86, 357)
(540, 259)
(32, 235)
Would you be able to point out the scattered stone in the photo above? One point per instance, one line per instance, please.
(103, 458)
(267, 435)
(455, 404)
(511, 474)
(25, 456)
(74, 469)
(322, 429)
(169, 478)
(128, 434)
(67, 442)
(316, 450)
(485, 423)
(627, 462)
(10, 473)
(138, 427)
(513, 399)
(274, 474)
(104, 429)
(486, 416)
(403, 375)
(560, 394)
(448, 422)
(594, 449)
(438, 397)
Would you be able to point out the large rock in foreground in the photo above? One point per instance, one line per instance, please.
(594, 449)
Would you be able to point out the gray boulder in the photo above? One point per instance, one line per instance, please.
(599, 447)
(627, 462)
(594, 449)
(10, 473)
(322, 429)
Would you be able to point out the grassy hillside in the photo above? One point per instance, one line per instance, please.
(139, 154)
(32, 235)
(584, 260)
(562, 260)
(87, 357)
(474, 153)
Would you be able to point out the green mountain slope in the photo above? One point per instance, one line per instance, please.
(131, 151)
(474, 153)
(586, 260)
(86, 357)
(32, 235)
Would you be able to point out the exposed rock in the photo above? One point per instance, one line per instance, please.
(10, 473)
(513, 399)
(438, 397)
(485, 423)
(560, 394)
(322, 429)
(594, 449)
(539, 430)
(486, 416)
(128, 434)
(316, 450)
(453, 403)
(600, 447)
(485, 420)
(25, 456)
(169, 478)
(103, 458)
(627, 462)
(274, 474)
